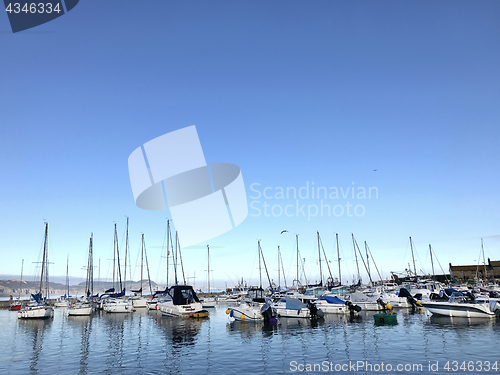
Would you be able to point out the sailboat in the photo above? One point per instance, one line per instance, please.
(83, 307)
(39, 306)
(63, 301)
(138, 301)
(113, 301)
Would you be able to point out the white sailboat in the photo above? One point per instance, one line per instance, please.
(138, 300)
(84, 306)
(114, 301)
(39, 306)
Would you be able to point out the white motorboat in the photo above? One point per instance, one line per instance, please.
(118, 305)
(251, 308)
(294, 308)
(39, 307)
(182, 301)
(334, 305)
(460, 305)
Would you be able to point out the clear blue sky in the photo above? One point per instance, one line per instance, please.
(292, 92)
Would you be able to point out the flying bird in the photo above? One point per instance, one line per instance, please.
(283, 231)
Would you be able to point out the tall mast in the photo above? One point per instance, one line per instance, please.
(118, 262)
(338, 257)
(114, 259)
(265, 267)
(279, 283)
(432, 262)
(142, 258)
(319, 260)
(168, 246)
(22, 267)
(484, 260)
(126, 254)
(356, 256)
(147, 268)
(67, 274)
(367, 258)
(413, 257)
(297, 237)
(208, 270)
(260, 267)
(180, 258)
(42, 274)
(282, 268)
(90, 269)
(175, 259)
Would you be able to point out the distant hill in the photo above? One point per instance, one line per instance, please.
(26, 288)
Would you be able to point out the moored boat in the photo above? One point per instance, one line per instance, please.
(182, 301)
(39, 307)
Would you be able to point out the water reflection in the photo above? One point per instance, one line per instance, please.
(36, 329)
(247, 329)
(85, 324)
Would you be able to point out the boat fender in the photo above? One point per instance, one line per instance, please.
(231, 313)
(242, 317)
(228, 311)
(388, 306)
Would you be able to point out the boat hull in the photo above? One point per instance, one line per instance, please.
(463, 310)
(83, 310)
(118, 307)
(192, 310)
(246, 313)
(290, 313)
(37, 312)
(140, 303)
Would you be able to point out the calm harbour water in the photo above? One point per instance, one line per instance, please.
(147, 343)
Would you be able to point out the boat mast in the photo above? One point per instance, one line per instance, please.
(114, 260)
(282, 268)
(89, 284)
(279, 281)
(142, 258)
(484, 260)
(413, 257)
(373, 259)
(126, 253)
(338, 257)
(43, 271)
(297, 237)
(180, 258)
(67, 274)
(432, 262)
(319, 261)
(356, 256)
(147, 268)
(265, 267)
(22, 267)
(168, 246)
(208, 270)
(326, 258)
(260, 267)
(118, 263)
(175, 259)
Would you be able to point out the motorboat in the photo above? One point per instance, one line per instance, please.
(459, 304)
(182, 301)
(294, 308)
(334, 305)
(253, 307)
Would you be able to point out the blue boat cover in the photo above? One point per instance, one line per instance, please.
(294, 304)
(332, 299)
